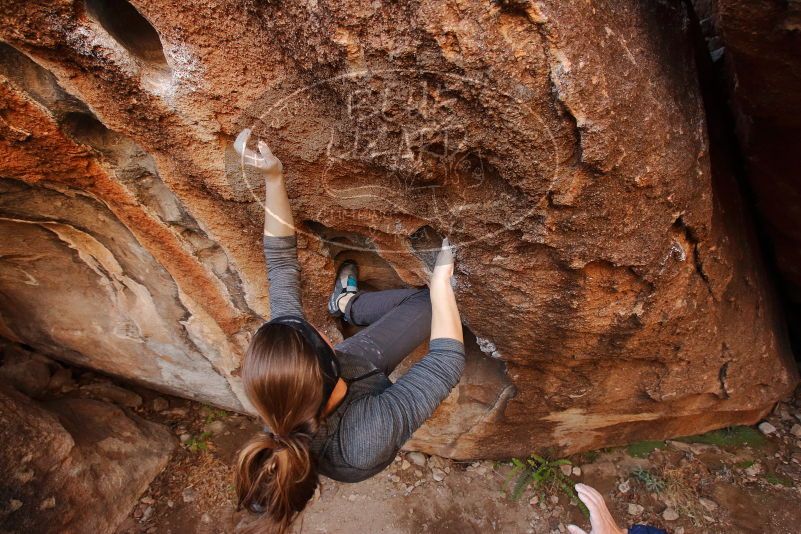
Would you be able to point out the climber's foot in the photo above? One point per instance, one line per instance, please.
(600, 517)
(343, 301)
(345, 287)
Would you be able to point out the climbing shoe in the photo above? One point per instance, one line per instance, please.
(345, 283)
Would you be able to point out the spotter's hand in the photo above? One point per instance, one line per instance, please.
(265, 161)
(600, 517)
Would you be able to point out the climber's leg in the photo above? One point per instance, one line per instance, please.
(367, 307)
(399, 320)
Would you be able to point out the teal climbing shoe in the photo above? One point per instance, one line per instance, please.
(345, 283)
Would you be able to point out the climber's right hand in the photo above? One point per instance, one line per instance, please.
(445, 319)
(443, 268)
(265, 161)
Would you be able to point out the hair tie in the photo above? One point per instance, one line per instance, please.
(278, 440)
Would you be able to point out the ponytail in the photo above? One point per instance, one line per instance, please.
(275, 478)
(276, 472)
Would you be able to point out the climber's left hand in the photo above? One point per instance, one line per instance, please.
(265, 161)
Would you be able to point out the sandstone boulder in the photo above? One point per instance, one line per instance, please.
(73, 465)
(611, 291)
(26, 371)
(757, 45)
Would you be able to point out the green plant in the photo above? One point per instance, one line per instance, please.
(198, 443)
(543, 475)
(745, 464)
(777, 480)
(652, 482)
(642, 449)
(732, 436)
(212, 414)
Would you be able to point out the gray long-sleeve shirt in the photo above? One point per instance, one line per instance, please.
(362, 436)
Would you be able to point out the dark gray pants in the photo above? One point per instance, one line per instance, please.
(397, 320)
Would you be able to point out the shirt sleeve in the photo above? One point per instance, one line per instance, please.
(378, 425)
(283, 274)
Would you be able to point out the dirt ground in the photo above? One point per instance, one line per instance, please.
(736, 480)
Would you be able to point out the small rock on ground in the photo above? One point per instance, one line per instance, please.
(112, 393)
(146, 515)
(766, 428)
(417, 458)
(189, 494)
(436, 461)
(216, 427)
(670, 514)
(753, 470)
(678, 445)
(709, 504)
(160, 404)
(635, 509)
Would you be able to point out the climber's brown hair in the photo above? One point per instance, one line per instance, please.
(276, 473)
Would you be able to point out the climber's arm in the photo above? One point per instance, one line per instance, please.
(376, 426)
(383, 422)
(280, 245)
(277, 212)
(445, 320)
(283, 273)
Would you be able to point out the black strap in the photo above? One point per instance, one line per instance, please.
(361, 377)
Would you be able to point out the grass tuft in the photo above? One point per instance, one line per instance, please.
(198, 443)
(543, 475)
(641, 449)
(735, 436)
(653, 483)
(777, 480)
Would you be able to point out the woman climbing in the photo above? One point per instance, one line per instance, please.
(331, 410)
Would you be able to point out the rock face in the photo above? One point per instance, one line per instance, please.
(73, 465)
(758, 44)
(611, 292)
